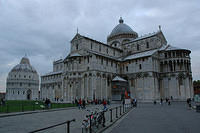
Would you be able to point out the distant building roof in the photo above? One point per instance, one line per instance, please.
(117, 78)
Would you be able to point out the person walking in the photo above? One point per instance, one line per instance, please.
(104, 105)
(169, 102)
(83, 104)
(79, 103)
(161, 101)
(135, 102)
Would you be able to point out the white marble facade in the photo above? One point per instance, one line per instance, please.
(22, 82)
(153, 68)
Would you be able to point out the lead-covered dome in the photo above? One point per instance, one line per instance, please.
(122, 29)
(24, 66)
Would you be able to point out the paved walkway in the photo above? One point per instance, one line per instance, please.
(149, 118)
(29, 122)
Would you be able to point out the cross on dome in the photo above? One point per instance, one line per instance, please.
(121, 20)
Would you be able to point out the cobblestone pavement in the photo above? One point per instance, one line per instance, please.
(29, 122)
(149, 118)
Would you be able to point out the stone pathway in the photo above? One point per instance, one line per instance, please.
(149, 118)
(29, 122)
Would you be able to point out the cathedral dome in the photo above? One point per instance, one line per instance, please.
(122, 29)
(24, 66)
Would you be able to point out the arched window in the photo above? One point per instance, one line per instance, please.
(76, 46)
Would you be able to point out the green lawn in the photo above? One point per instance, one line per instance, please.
(21, 106)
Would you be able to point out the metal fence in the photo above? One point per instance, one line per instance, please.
(67, 123)
(108, 116)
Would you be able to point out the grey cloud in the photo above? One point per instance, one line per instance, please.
(43, 28)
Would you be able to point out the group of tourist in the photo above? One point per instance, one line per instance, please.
(167, 101)
(81, 103)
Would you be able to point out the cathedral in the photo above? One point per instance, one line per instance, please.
(127, 66)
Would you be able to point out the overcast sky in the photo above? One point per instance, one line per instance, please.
(43, 28)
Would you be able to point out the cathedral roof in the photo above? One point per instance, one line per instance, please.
(24, 66)
(121, 28)
(171, 48)
(52, 73)
(141, 54)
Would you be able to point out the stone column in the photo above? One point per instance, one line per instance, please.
(101, 87)
(106, 88)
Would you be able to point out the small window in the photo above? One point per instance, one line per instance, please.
(23, 92)
(20, 84)
(100, 48)
(18, 92)
(88, 59)
(138, 47)
(107, 50)
(165, 55)
(140, 66)
(91, 45)
(24, 76)
(127, 68)
(29, 77)
(79, 60)
(173, 54)
(76, 46)
(111, 63)
(101, 60)
(147, 45)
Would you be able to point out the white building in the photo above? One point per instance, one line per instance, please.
(152, 68)
(22, 82)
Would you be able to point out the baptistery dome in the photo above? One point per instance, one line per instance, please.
(24, 66)
(22, 82)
